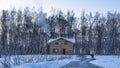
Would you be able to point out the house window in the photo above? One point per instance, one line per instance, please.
(56, 43)
(55, 50)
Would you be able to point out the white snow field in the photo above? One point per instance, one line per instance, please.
(46, 64)
(40, 61)
(49, 64)
(56, 61)
(107, 61)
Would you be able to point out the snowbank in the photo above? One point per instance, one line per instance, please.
(30, 65)
(49, 64)
(107, 61)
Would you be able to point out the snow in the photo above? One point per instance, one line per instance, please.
(29, 65)
(105, 61)
(68, 39)
(108, 61)
(49, 64)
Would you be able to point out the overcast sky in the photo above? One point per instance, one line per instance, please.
(77, 5)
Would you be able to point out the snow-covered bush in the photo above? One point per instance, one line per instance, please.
(5, 61)
(22, 59)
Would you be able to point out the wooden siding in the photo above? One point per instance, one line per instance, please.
(61, 46)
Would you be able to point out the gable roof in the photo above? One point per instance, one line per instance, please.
(72, 40)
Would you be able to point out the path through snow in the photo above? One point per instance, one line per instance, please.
(84, 63)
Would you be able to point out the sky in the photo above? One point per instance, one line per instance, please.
(77, 5)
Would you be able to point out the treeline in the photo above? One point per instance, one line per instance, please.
(27, 31)
(22, 32)
(98, 33)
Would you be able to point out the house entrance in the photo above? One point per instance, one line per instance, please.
(64, 51)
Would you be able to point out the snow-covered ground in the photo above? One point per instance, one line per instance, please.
(53, 61)
(107, 61)
(56, 61)
(49, 64)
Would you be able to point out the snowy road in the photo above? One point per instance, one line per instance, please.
(84, 63)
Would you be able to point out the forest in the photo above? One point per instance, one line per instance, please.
(27, 31)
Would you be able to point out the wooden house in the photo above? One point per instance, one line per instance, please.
(61, 46)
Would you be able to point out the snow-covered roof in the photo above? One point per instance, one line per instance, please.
(68, 39)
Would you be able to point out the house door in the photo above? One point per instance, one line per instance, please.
(64, 51)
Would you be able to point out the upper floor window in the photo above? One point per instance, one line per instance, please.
(56, 43)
